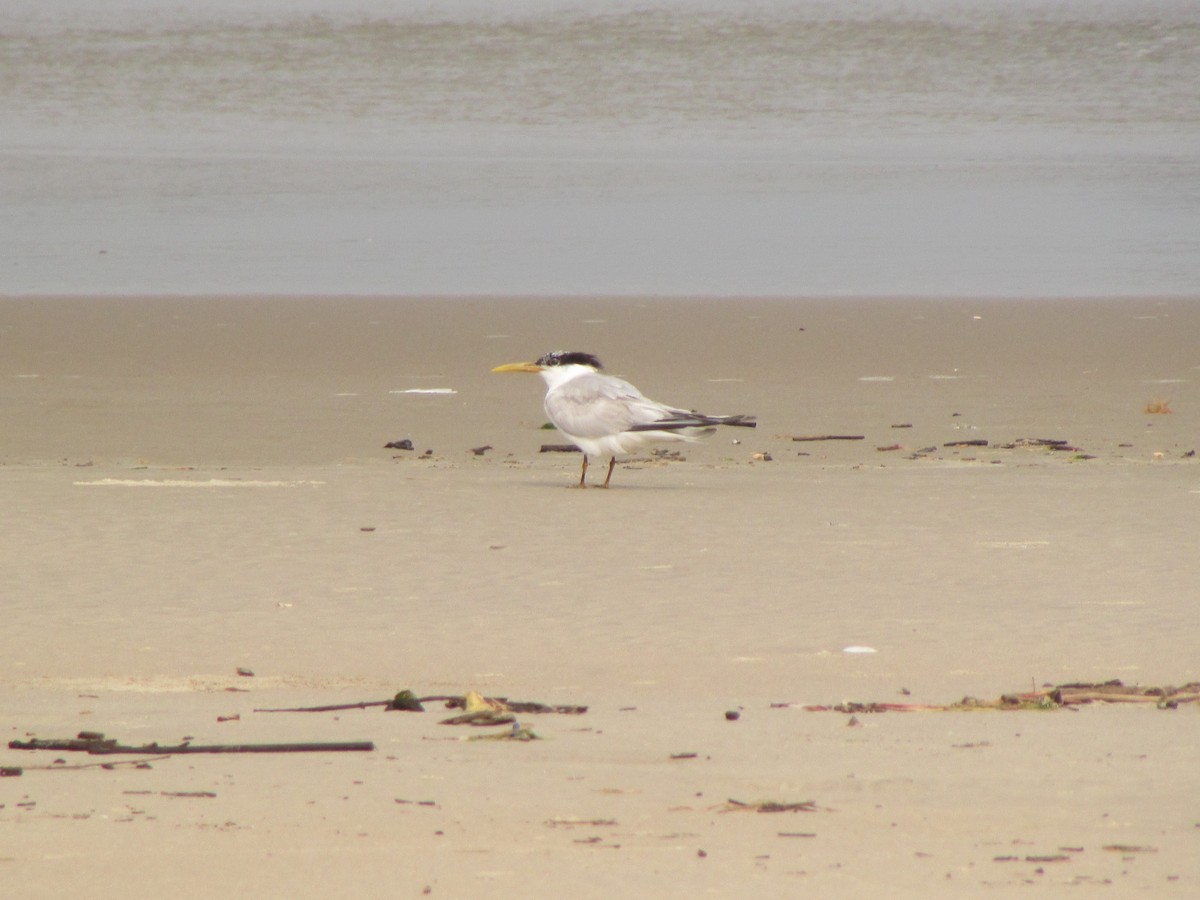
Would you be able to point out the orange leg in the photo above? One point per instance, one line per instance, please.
(611, 462)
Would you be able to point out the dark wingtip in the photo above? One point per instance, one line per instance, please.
(742, 421)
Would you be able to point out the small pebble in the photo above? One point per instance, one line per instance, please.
(733, 715)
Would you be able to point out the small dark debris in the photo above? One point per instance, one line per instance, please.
(206, 795)
(405, 701)
(405, 444)
(733, 715)
(244, 672)
(770, 806)
(479, 451)
(1113, 848)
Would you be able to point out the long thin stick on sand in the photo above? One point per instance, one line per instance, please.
(107, 747)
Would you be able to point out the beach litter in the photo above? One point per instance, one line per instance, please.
(480, 710)
(768, 806)
(96, 744)
(517, 733)
(1050, 697)
(829, 437)
(471, 702)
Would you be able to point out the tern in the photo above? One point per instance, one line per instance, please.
(605, 416)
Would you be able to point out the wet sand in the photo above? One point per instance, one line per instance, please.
(194, 485)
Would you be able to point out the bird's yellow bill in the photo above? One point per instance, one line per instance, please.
(519, 367)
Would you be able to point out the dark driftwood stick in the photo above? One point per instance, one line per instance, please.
(518, 706)
(974, 443)
(105, 747)
(70, 744)
(559, 448)
(829, 437)
(452, 702)
(336, 707)
(344, 746)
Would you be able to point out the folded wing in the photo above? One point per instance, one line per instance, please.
(594, 406)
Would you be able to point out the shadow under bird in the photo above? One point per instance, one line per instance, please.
(605, 416)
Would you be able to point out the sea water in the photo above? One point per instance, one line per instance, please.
(880, 147)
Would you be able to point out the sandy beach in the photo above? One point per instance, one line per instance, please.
(248, 245)
(194, 485)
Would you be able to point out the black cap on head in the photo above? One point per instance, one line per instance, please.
(569, 358)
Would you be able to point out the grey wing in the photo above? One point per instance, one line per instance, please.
(594, 406)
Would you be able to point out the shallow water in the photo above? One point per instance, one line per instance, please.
(664, 147)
